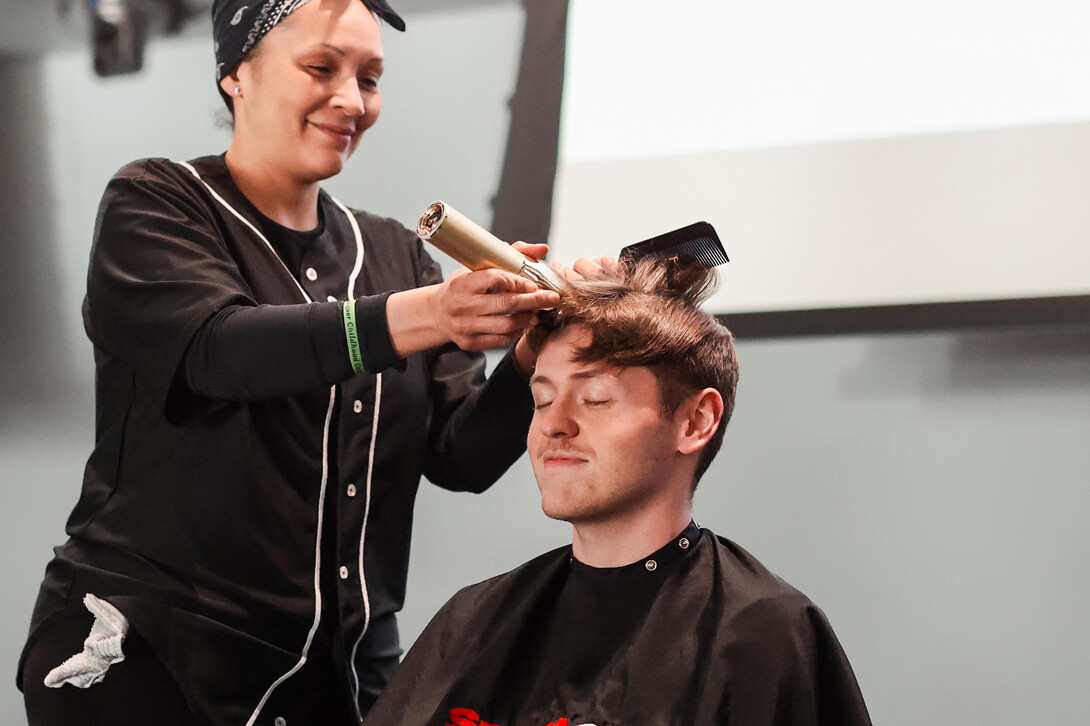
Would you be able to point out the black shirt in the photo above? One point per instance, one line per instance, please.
(696, 634)
(202, 517)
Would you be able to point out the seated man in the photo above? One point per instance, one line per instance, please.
(645, 619)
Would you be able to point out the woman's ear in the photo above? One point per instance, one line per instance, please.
(700, 417)
(229, 84)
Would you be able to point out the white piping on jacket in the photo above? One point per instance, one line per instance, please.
(363, 534)
(359, 247)
(325, 438)
(317, 567)
(370, 468)
(232, 210)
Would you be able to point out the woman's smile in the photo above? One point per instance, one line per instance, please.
(342, 133)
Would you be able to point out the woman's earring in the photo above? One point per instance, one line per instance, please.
(237, 90)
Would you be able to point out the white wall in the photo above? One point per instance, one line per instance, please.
(850, 153)
(959, 216)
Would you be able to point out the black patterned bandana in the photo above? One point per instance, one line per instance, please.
(238, 25)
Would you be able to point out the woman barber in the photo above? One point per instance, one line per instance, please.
(274, 372)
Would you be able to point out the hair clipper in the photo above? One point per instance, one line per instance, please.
(478, 249)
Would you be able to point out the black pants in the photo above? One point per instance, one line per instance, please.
(139, 690)
(135, 692)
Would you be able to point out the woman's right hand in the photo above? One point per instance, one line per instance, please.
(488, 308)
(474, 310)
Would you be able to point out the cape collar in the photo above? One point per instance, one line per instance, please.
(681, 545)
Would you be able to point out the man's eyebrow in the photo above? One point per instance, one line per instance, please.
(583, 374)
(537, 378)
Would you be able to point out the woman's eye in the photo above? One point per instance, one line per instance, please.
(371, 83)
(593, 403)
(319, 69)
(540, 405)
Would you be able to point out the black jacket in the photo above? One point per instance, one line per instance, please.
(202, 519)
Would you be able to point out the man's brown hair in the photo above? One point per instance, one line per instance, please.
(648, 315)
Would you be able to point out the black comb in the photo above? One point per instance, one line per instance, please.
(697, 242)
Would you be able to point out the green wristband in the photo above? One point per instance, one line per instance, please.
(351, 334)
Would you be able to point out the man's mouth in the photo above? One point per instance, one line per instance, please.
(562, 457)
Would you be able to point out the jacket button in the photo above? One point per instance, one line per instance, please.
(344, 572)
(280, 721)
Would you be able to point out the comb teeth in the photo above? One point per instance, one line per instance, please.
(697, 242)
(704, 250)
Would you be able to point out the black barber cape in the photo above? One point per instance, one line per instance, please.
(699, 633)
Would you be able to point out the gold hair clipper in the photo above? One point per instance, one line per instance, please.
(478, 249)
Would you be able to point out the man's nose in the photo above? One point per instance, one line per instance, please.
(557, 420)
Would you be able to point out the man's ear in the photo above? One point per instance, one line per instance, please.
(700, 417)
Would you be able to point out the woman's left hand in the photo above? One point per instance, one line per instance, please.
(582, 269)
(598, 268)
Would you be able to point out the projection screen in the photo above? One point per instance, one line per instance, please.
(924, 158)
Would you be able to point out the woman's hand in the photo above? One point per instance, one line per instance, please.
(581, 269)
(589, 269)
(474, 310)
(489, 308)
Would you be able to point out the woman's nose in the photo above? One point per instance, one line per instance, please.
(349, 98)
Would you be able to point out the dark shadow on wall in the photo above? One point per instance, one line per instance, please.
(1047, 358)
(1041, 358)
(32, 331)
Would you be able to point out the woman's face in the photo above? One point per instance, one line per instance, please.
(309, 90)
